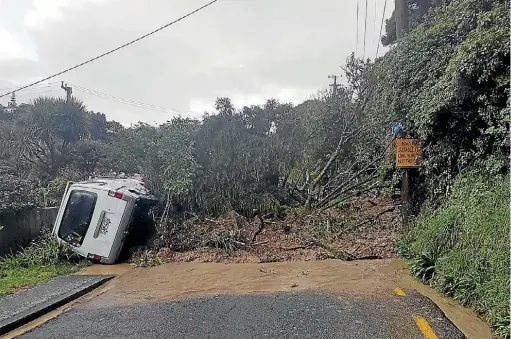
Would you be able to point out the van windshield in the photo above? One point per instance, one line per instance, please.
(77, 216)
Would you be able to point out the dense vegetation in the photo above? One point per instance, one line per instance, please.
(42, 260)
(257, 157)
(462, 249)
(447, 82)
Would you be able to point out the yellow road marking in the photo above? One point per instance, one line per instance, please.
(399, 292)
(426, 330)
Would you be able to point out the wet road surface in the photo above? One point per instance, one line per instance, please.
(280, 315)
(282, 300)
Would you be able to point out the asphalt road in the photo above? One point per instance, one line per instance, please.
(270, 315)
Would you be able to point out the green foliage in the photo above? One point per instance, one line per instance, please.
(49, 134)
(237, 165)
(14, 278)
(54, 190)
(40, 138)
(225, 240)
(463, 249)
(88, 155)
(44, 250)
(228, 161)
(42, 260)
(177, 168)
(16, 194)
(448, 81)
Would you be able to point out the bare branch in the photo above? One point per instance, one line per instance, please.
(348, 197)
(348, 189)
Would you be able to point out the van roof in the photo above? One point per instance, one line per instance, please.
(115, 184)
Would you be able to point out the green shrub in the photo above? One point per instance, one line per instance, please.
(44, 251)
(16, 193)
(448, 82)
(54, 191)
(225, 240)
(42, 260)
(463, 248)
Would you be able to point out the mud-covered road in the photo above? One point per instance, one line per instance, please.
(323, 299)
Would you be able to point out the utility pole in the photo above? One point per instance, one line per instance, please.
(12, 103)
(69, 92)
(402, 27)
(335, 85)
(402, 24)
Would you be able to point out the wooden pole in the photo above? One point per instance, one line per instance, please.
(402, 25)
(69, 92)
(405, 196)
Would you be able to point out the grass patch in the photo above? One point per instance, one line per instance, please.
(41, 261)
(13, 279)
(462, 249)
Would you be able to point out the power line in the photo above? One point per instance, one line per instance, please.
(356, 38)
(113, 97)
(374, 21)
(140, 105)
(131, 102)
(115, 49)
(37, 91)
(381, 28)
(126, 102)
(42, 92)
(44, 85)
(365, 33)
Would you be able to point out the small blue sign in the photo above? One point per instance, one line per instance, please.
(397, 127)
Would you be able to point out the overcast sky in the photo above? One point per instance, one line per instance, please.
(248, 50)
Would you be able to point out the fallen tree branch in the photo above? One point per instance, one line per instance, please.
(365, 257)
(331, 197)
(260, 242)
(341, 188)
(368, 257)
(342, 255)
(390, 209)
(294, 248)
(261, 227)
(354, 194)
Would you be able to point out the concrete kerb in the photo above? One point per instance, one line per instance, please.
(37, 311)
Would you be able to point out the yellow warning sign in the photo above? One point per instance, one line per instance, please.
(408, 153)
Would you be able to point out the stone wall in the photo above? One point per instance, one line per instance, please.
(20, 228)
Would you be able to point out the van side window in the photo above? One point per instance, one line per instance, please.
(77, 216)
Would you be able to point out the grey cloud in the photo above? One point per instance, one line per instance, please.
(235, 46)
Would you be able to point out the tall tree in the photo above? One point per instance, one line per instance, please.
(43, 132)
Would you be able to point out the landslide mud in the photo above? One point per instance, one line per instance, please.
(368, 279)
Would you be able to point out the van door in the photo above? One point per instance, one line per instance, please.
(93, 223)
(106, 227)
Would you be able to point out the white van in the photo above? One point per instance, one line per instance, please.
(96, 216)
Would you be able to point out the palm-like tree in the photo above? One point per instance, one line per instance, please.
(43, 131)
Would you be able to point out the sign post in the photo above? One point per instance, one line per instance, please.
(408, 156)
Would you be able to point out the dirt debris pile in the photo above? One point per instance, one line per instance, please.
(359, 230)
